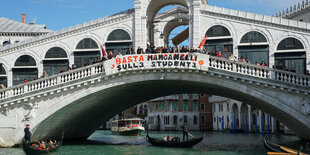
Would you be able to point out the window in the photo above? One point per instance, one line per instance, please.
(218, 31)
(203, 120)
(175, 106)
(195, 97)
(185, 119)
(6, 43)
(3, 78)
(118, 34)
(169, 106)
(253, 37)
(202, 95)
(20, 74)
(185, 106)
(227, 107)
(289, 44)
(25, 60)
(175, 119)
(202, 106)
(56, 52)
(195, 106)
(185, 97)
(292, 61)
(121, 42)
(164, 106)
(87, 43)
(53, 64)
(195, 120)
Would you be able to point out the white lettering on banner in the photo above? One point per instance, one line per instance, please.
(157, 61)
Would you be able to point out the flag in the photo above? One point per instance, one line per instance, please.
(203, 42)
(104, 52)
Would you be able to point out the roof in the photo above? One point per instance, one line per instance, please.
(257, 17)
(8, 25)
(69, 29)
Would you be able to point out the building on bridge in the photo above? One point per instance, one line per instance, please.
(259, 38)
(232, 115)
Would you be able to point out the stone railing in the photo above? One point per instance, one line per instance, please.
(259, 71)
(52, 81)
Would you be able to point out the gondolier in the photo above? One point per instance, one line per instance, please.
(185, 131)
(27, 134)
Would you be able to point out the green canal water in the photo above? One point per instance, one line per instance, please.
(215, 143)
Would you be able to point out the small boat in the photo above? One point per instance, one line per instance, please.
(182, 144)
(31, 151)
(128, 126)
(273, 147)
(276, 149)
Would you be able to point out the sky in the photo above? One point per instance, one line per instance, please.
(58, 14)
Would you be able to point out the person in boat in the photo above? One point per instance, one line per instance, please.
(27, 134)
(42, 145)
(185, 131)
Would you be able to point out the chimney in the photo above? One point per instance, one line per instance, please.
(24, 18)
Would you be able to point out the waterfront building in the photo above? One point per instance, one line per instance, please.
(171, 112)
(205, 112)
(235, 116)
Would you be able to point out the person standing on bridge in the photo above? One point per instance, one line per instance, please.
(27, 134)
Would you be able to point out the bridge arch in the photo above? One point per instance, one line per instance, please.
(155, 5)
(170, 26)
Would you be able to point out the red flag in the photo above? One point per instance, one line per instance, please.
(203, 42)
(104, 52)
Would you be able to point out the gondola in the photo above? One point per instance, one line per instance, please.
(278, 149)
(30, 151)
(272, 147)
(182, 144)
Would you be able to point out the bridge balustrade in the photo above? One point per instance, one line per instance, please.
(259, 71)
(52, 81)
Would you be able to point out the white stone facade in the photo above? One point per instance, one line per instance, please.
(247, 118)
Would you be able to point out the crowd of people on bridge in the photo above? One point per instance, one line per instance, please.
(170, 49)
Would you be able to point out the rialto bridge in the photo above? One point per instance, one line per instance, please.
(78, 101)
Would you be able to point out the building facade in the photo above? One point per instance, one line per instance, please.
(235, 116)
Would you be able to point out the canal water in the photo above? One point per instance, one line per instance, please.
(103, 142)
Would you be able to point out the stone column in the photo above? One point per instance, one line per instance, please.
(139, 38)
(250, 114)
(194, 25)
(240, 119)
(273, 125)
(260, 121)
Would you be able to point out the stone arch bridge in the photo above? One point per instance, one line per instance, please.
(79, 101)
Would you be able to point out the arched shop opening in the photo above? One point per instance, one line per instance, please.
(235, 116)
(118, 41)
(55, 59)
(3, 76)
(254, 46)
(219, 40)
(86, 51)
(292, 55)
(25, 68)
